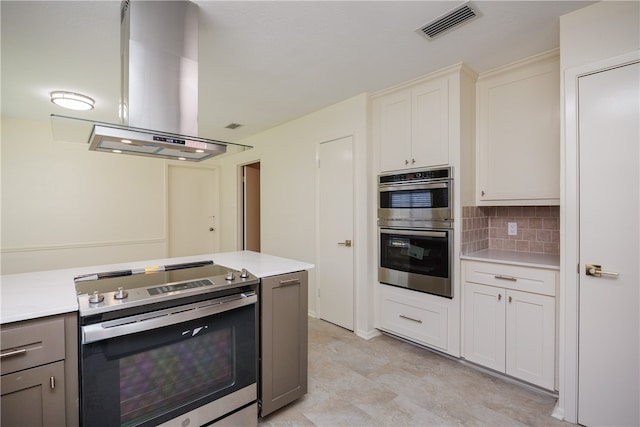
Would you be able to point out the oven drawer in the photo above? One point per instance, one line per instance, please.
(31, 343)
(527, 279)
(411, 315)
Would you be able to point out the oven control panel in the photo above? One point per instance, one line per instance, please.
(179, 287)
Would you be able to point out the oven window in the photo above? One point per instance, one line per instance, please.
(415, 199)
(151, 377)
(415, 254)
(175, 374)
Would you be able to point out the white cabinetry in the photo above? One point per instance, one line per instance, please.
(518, 133)
(509, 320)
(414, 316)
(412, 125)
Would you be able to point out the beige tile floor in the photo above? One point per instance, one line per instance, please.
(387, 382)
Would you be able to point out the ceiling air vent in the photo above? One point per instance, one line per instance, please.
(448, 21)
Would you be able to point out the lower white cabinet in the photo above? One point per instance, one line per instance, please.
(507, 329)
(414, 316)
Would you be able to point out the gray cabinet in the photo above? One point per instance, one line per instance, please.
(283, 340)
(39, 383)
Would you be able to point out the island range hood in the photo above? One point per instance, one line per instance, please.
(159, 90)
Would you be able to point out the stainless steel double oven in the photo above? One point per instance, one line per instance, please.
(173, 345)
(415, 230)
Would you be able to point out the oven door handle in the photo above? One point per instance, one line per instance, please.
(158, 319)
(421, 233)
(412, 186)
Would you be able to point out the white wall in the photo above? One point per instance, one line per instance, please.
(602, 30)
(595, 33)
(65, 206)
(287, 156)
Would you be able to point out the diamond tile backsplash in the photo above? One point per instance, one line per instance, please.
(485, 227)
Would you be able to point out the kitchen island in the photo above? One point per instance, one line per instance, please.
(28, 296)
(40, 335)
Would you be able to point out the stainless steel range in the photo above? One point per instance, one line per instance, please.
(169, 345)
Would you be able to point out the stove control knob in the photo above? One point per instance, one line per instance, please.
(120, 293)
(244, 273)
(96, 297)
(230, 276)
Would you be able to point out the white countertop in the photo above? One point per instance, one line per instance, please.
(525, 259)
(46, 293)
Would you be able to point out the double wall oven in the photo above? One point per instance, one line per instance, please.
(173, 345)
(415, 230)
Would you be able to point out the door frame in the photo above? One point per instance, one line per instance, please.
(240, 202)
(567, 407)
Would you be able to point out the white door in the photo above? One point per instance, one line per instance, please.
(335, 232)
(608, 339)
(192, 211)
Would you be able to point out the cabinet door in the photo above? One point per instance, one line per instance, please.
(283, 341)
(430, 124)
(34, 397)
(394, 127)
(484, 325)
(530, 338)
(518, 148)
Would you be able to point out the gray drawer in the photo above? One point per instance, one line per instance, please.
(31, 343)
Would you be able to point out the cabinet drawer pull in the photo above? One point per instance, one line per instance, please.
(13, 353)
(411, 318)
(52, 382)
(509, 278)
(499, 297)
(290, 282)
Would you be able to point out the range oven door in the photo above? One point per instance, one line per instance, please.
(416, 259)
(151, 368)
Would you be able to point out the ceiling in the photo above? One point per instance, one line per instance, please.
(263, 63)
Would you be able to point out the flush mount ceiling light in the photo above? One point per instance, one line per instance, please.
(72, 100)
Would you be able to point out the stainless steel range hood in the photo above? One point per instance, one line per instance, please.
(159, 93)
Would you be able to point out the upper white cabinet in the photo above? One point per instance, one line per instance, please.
(412, 125)
(518, 133)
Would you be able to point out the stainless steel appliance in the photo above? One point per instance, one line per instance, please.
(415, 223)
(172, 345)
(419, 198)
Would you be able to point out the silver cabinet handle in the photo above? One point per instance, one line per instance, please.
(52, 382)
(11, 353)
(595, 270)
(346, 243)
(509, 278)
(410, 318)
(499, 297)
(290, 282)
